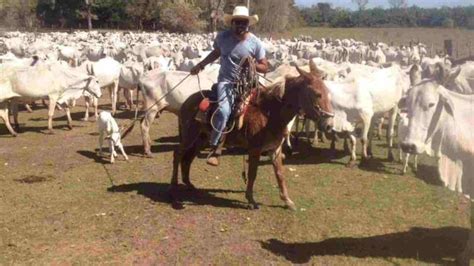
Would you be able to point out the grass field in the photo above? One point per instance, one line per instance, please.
(463, 40)
(62, 204)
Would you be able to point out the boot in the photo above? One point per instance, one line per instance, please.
(212, 158)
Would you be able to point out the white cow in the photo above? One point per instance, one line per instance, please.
(107, 70)
(363, 99)
(108, 126)
(441, 123)
(130, 75)
(157, 90)
(55, 81)
(402, 130)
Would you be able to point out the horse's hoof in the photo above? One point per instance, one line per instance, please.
(190, 187)
(177, 205)
(84, 119)
(148, 155)
(69, 126)
(253, 206)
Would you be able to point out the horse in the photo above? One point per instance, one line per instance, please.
(263, 130)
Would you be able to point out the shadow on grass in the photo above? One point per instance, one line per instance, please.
(158, 192)
(305, 153)
(138, 149)
(42, 130)
(168, 139)
(429, 174)
(378, 165)
(423, 244)
(93, 155)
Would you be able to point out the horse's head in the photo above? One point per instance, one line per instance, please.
(309, 94)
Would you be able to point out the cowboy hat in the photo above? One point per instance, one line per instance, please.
(240, 12)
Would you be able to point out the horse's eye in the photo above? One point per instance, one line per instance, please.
(431, 105)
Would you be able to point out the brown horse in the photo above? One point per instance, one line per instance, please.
(263, 130)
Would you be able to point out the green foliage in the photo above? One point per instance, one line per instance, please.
(195, 15)
(394, 17)
(181, 18)
(448, 23)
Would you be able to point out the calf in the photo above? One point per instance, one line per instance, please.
(108, 126)
(402, 134)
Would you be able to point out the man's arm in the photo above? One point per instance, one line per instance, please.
(262, 65)
(215, 54)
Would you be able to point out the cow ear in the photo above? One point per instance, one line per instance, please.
(454, 74)
(402, 104)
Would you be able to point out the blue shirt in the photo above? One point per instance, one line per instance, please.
(233, 50)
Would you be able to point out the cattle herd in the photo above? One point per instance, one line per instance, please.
(429, 98)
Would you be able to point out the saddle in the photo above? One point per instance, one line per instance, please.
(207, 107)
(245, 91)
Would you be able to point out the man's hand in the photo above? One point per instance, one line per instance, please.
(196, 69)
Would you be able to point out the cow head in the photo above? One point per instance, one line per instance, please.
(426, 105)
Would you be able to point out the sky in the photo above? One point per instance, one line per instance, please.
(384, 3)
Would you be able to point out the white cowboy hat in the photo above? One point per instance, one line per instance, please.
(240, 12)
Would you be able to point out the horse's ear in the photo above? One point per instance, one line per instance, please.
(313, 69)
(301, 71)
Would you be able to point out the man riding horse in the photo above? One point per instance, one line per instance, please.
(231, 46)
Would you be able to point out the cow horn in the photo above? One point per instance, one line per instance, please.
(88, 69)
(440, 73)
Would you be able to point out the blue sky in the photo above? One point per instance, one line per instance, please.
(384, 3)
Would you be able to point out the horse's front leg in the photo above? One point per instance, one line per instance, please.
(187, 160)
(254, 157)
(278, 169)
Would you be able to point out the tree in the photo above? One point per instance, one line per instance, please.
(144, 11)
(181, 17)
(361, 4)
(89, 4)
(324, 11)
(398, 3)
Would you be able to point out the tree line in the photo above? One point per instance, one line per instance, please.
(207, 15)
(168, 15)
(399, 15)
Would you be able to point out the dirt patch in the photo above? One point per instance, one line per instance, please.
(30, 179)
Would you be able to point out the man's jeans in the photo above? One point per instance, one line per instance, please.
(225, 97)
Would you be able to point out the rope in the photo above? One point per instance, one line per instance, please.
(132, 124)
